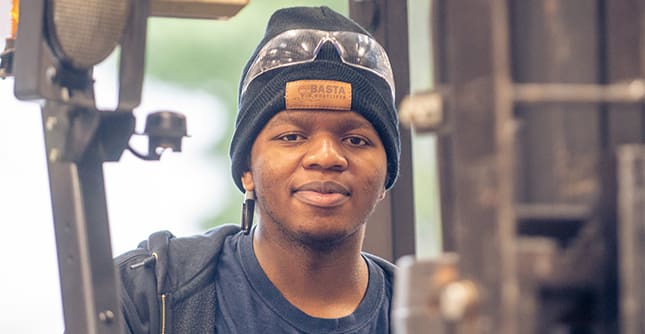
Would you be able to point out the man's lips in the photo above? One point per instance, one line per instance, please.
(322, 194)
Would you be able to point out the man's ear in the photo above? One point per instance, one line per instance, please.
(247, 181)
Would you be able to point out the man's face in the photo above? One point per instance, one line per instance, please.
(317, 175)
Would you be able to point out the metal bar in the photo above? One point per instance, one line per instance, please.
(633, 92)
(536, 261)
(87, 274)
(416, 304)
(624, 122)
(631, 199)
(505, 132)
(476, 65)
(555, 211)
(445, 145)
(390, 232)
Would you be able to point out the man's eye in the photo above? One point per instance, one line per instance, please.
(357, 141)
(290, 137)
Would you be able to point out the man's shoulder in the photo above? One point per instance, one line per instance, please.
(388, 267)
(167, 266)
(176, 260)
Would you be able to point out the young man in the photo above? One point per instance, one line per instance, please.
(316, 146)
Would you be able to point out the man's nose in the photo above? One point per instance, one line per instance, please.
(325, 152)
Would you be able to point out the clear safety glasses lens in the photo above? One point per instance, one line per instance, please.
(300, 46)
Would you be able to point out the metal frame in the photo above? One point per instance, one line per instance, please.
(78, 139)
(390, 232)
(631, 178)
(87, 274)
(539, 96)
(478, 156)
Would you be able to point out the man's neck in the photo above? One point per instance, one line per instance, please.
(324, 284)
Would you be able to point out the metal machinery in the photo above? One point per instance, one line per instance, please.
(538, 112)
(57, 45)
(542, 174)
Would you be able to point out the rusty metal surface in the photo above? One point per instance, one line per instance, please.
(539, 95)
(473, 60)
(554, 42)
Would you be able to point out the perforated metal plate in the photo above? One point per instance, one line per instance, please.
(82, 33)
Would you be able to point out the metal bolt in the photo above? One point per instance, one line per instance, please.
(65, 94)
(54, 155)
(422, 112)
(106, 316)
(457, 300)
(637, 88)
(51, 123)
(51, 73)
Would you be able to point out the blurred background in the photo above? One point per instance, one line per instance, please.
(192, 67)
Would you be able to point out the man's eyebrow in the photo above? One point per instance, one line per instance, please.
(287, 119)
(354, 124)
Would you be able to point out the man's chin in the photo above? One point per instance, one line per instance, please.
(323, 240)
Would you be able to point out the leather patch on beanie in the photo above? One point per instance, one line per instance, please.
(318, 94)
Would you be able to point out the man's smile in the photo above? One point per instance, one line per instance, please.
(322, 194)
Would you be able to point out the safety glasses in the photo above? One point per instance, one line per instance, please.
(301, 46)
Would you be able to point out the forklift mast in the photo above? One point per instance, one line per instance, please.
(539, 122)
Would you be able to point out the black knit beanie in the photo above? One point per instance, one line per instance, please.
(265, 96)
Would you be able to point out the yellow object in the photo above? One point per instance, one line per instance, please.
(197, 9)
(14, 17)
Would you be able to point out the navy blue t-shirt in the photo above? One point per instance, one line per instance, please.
(247, 302)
